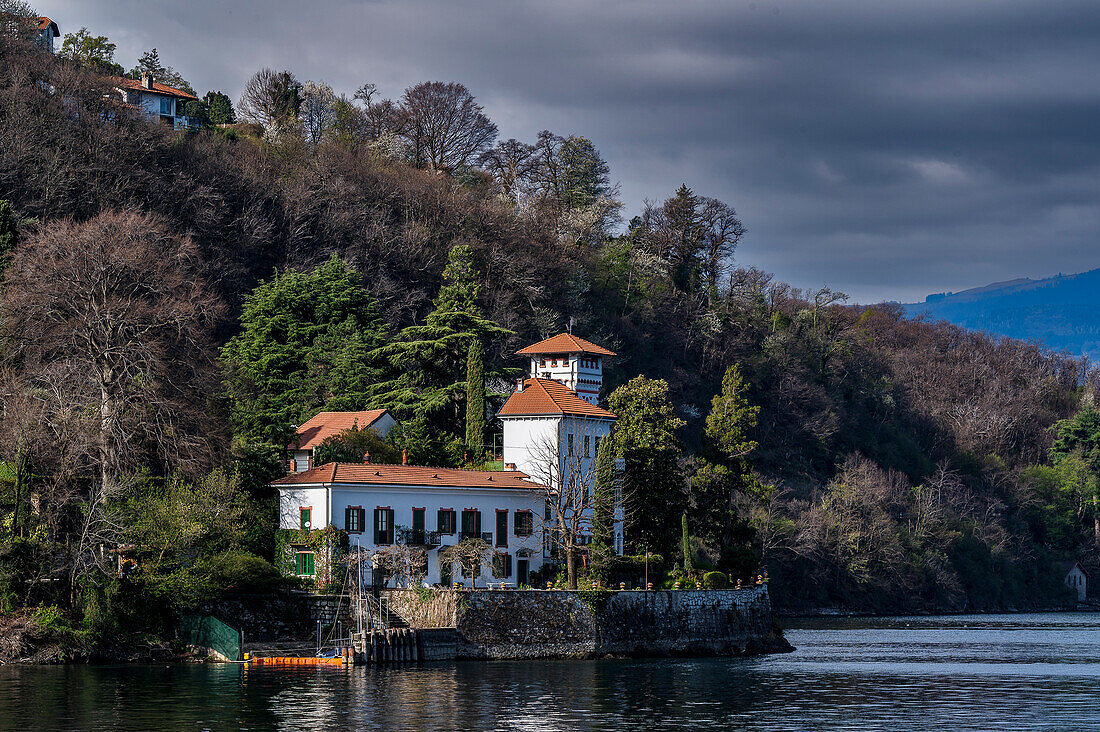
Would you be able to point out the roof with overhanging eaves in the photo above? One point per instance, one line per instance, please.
(565, 343)
(323, 425)
(549, 397)
(409, 475)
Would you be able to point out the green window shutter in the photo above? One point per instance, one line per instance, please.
(377, 526)
(348, 526)
(439, 525)
(477, 523)
(309, 563)
(362, 518)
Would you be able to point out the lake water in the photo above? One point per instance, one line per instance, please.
(989, 672)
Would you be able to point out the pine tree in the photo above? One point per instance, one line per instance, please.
(645, 437)
(426, 362)
(475, 402)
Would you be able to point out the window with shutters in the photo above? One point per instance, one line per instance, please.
(354, 518)
(445, 521)
(502, 566)
(303, 564)
(524, 523)
(471, 524)
(418, 536)
(502, 528)
(305, 518)
(383, 525)
(166, 105)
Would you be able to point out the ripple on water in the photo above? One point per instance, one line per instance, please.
(1020, 672)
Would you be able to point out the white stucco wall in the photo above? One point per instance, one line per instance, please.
(402, 500)
(571, 370)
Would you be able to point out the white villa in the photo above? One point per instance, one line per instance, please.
(551, 435)
(158, 101)
(552, 425)
(326, 424)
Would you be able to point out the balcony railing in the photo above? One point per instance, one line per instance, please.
(486, 536)
(419, 537)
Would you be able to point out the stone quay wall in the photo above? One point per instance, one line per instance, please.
(591, 623)
(280, 617)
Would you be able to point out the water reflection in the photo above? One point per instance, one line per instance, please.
(1034, 672)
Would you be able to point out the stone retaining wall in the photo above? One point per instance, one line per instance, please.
(560, 624)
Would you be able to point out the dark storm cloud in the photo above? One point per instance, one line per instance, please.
(888, 149)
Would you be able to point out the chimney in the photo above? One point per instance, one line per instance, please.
(366, 458)
(405, 456)
(509, 466)
(519, 385)
(146, 79)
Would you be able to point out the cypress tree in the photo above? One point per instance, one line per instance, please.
(475, 401)
(603, 496)
(686, 541)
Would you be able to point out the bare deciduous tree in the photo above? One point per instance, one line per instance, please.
(114, 314)
(446, 127)
(271, 98)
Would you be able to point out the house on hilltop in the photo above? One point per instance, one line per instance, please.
(158, 101)
(47, 33)
(326, 424)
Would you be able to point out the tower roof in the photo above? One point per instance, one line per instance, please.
(546, 396)
(565, 343)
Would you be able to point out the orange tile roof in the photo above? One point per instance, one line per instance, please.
(326, 424)
(154, 86)
(546, 396)
(418, 475)
(44, 23)
(566, 343)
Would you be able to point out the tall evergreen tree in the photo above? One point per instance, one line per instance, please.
(305, 345)
(645, 437)
(685, 543)
(220, 108)
(427, 362)
(475, 402)
(724, 471)
(603, 507)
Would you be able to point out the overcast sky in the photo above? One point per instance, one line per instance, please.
(887, 149)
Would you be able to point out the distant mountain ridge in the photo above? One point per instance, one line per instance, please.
(1062, 312)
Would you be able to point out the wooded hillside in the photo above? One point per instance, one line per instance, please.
(898, 464)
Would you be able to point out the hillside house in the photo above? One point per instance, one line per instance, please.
(551, 436)
(422, 508)
(158, 101)
(326, 424)
(47, 33)
(1076, 578)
